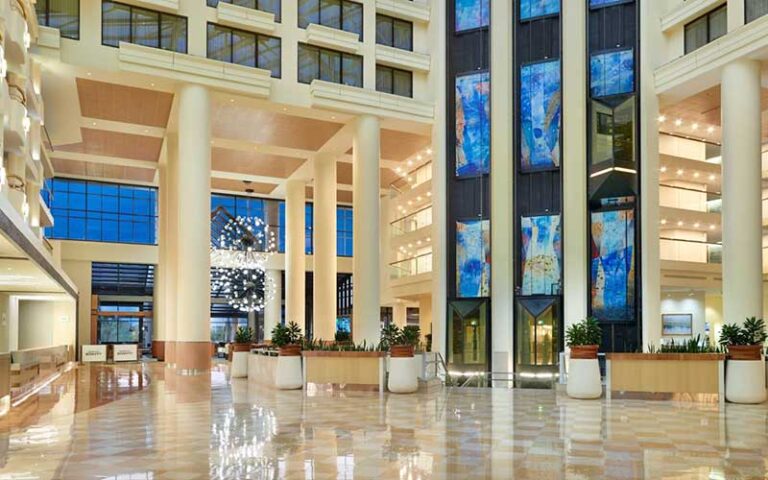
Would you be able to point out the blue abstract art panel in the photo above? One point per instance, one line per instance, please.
(540, 107)
(604, 3)
(538, 8)
(612, 73)
(473, 124)
(613, 265)
(472, 14)
(541, 255)
(473, 258)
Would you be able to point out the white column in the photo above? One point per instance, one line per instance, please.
(742, 205)
(324, 248)
(273, 309)
(193, 331)
(169, 201)
(295, 258)
(160, 293)
(365, 277)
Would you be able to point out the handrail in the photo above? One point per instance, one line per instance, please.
(409, 259)
(415, 212)
(717, 194)
(700, 242)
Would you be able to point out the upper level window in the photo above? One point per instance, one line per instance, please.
(61, 14)
(707, 28)
(394, 80)
(755, 9)
(394, 32)
(102, 212)
(125, 23)
(339, 14)
(271, 6)
(329, 65)
(344, 231)
(244, 48)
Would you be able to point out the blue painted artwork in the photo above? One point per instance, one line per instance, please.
(604, 3)
(540, 107)
(538, 8)
(472, 14)
(613, 265)
(473, 258)
(612, 73)
(541, 255)
(344, 324)
(473, 124)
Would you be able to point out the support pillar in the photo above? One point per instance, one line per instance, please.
(324, 248)
(365, 172)
(742, 192)
(193, 330)
(273, 311)
(295, 257)
(168, 205)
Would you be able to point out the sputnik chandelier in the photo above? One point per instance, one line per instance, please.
(239, 255)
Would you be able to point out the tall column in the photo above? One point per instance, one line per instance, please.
(295, 258)
(365, 198)
(160, 292)
(193, 330)
(273, 309)
(324, 248)
(168, 204)
(742, 205)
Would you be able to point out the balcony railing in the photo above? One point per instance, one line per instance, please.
(411, 266)
(412, 222)
(690, 199)
(696, 251)
(413, 179)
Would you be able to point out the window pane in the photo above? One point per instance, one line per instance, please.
(116, 24)
(145, 27)
(383, 79)
(353, 70)
(330, 66)
(219, 43)
(244, 48)
(309, 12)
(271, 6)
(695, 34)
(353, 18)
(64, 15)
(403, 84)
(718, 23)
(174, 33)
(403, 35)
(756, 9)
(384, 30)
(624, 131)
(330, 13)
(308, 63)
(244, 3)
(269, 55)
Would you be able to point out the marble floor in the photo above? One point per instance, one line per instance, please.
(141, 422)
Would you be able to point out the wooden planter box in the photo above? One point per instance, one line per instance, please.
(697, 377)
(346, 370)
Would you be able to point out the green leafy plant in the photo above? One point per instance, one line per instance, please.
(243, 335)
(751, 333)
(697, 344)
(389, 336)
(342, 336)
(585, 332)
(283, 335)
(409, 335)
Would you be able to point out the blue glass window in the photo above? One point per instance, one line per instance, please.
(472, 14)
(538, 8)
(61, 14)
(271, 6)
(344, 231)
(612, 73)
(126, 23)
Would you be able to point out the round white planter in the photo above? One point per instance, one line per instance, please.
(584, 379)
(289, 375)
(745, 381)
(402, 375)
(239, 366)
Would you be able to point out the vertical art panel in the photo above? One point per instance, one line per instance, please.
(538, 8)
(540, 106)
(472, 14)
(473, 258)
(612, 73)
(613, 265)
(473, 124)
(541, 255)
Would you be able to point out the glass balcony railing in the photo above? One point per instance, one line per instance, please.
(412, 179)
(411, 266)
(690, 251)
(690, 199)
(412, 222)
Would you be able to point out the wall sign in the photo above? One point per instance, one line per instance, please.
(94, 353)
(125, 353)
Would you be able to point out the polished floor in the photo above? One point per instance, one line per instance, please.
(140, 422)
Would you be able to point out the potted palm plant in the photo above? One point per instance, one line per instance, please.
(287, 338)
(583, 339)
(238, 352)
(745, 369)
(243, 338)
(403, 374)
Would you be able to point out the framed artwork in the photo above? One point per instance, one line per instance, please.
(612, 271)
(538, 8)
(472, 14)
(540, 109)
(541, 255)
(612, 73)
(677, 324)
(605, 3)
(473, 258)
(473, 124)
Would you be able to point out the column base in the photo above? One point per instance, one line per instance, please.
(193, 358)
(170, 354)
(158, 349)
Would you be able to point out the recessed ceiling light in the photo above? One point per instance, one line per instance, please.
(712, 178)
(429, 194)
(429, 151)
(89, 74)
(679, 223)
(710, 129)
(679, 171)
(418, 199)
(151, 84)
(418, 157)
(695, 126)
(662, 119)
(678, 122)
(695, 174)
(409, 162)
(663, 169)
(93, 124)
(663, 221)
(711, 227)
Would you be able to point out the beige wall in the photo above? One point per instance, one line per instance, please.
(80, 273)
(5, 322)
(45, 323)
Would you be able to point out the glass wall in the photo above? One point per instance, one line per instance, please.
(394, 81)
(338, 14)
(102, 212)
(61, 14)
(394, 32)
(126, 23)
(244, 48)
(329, 65)
(755, 9)
(271, 6)
(705, 29)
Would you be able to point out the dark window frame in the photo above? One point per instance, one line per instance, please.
(392, 21)
(341, 54)
(746, 17)
(706, 16)
(46, 22)
(278, 14)
(159, 26)
(341, 4)
(256, 36)
(392, 71)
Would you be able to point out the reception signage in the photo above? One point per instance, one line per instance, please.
(94, 353)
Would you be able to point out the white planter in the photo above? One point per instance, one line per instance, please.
(239, 367)
(403, 376)
(289, 375)
(584, 379)
(745, 381)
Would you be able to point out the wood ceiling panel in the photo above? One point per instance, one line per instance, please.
(120, 103)
(398, 146)
(343, 196)
(98, 170)
(241, 187)
(253, 163)
(344, 175)
(115, 144)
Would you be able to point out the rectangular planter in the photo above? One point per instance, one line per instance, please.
(697, 377)
(346, 370)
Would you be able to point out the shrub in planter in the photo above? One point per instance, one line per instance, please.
(744, 342)
(288, 339)
(243, 338)
(583, 338)
(745, 370)
(403, 377)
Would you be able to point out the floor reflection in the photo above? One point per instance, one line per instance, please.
(146, 422)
